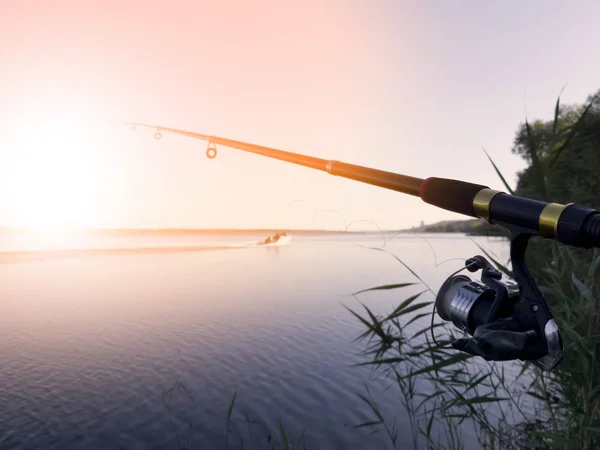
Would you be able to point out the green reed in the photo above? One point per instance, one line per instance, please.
(534, 410)
(566, 409)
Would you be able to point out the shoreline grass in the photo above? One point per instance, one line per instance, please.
(567, 409)
(534, 409)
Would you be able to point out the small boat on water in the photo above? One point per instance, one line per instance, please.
(276, 238)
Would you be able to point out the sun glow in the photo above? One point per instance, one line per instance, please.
(55, 172)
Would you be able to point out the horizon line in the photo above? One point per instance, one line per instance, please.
(203, 230)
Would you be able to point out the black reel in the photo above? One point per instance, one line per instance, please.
(506, 319)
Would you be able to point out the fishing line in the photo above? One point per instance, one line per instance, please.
(506, 319)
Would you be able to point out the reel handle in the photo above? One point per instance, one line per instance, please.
(496, 342)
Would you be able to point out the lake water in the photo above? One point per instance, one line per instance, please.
(90, 345)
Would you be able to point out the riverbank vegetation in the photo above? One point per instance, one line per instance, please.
(560, 409)
(506, 405)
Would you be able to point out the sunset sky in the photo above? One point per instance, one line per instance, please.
(412, 87)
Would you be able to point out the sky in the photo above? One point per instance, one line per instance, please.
(414, 87)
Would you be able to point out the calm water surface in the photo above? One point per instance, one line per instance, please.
(90, 346)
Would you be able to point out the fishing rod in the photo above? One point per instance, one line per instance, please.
(505, 319)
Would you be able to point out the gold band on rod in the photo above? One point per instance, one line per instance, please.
(548, 221)
(481, 203)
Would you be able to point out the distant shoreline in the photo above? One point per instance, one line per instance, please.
(472, 227)
(240, 232)
(23, 256)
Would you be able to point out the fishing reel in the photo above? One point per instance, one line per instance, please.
(506, 319)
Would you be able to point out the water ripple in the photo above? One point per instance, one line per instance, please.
(90, 347)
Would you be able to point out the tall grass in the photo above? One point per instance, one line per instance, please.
(247, 437)
(507, 405)
(442, 390)
(463, 390)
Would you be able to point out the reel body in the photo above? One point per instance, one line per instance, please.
(506, 319)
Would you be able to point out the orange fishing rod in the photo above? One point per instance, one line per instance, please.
(506, 319)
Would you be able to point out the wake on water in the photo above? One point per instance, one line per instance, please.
(15, 257)
(283, 240)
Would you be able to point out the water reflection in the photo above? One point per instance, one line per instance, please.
(90, 345)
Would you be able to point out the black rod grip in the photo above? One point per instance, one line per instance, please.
(452, 195)
(591, 231)
(520, 211)
(576, 226)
